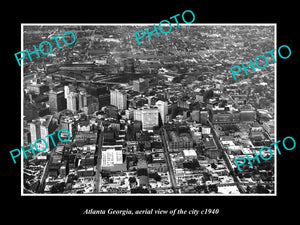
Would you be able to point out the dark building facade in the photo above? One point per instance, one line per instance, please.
(57, 101)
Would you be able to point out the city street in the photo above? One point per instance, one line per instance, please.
(168, 160)
(98, 166)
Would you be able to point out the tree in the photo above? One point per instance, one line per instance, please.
(149, 158)
(191, 164)
(153, 191)
(132, 180)
(200, 188)
(213, 188)
(105, 174)
(268, 186)
(157, 177)
(206, 176)
(192, 181)
(260, 189)
(139, 190)
(214, 166)
(58, 188)
(247, 175)
(142, 171)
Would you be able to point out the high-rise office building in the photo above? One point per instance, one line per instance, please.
(140, 85)
(40, 128)
(35, 130)
(103, 99)
(67, 91)
(118, 98)
(66, 123)
(129, 114)
(81, 99)
(149, 118)
(91, 108)
(162, 109)
(72, 101)
(137, 114)
(57, 101)
(203, 117)
(87, 103)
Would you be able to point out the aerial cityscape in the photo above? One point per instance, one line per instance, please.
(163, 117)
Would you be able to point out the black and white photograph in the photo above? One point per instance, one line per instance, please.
(163, 117)
(141, 114)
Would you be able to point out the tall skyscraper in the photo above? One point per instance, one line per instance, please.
(66, 123)
(162, 109)
(57, 101)
(40, 128)
(81, 99)
(91, 104)
(103, 99)
(35, 130)
(118, 98)
(67, 91)
(87, 103)
(72, 101)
